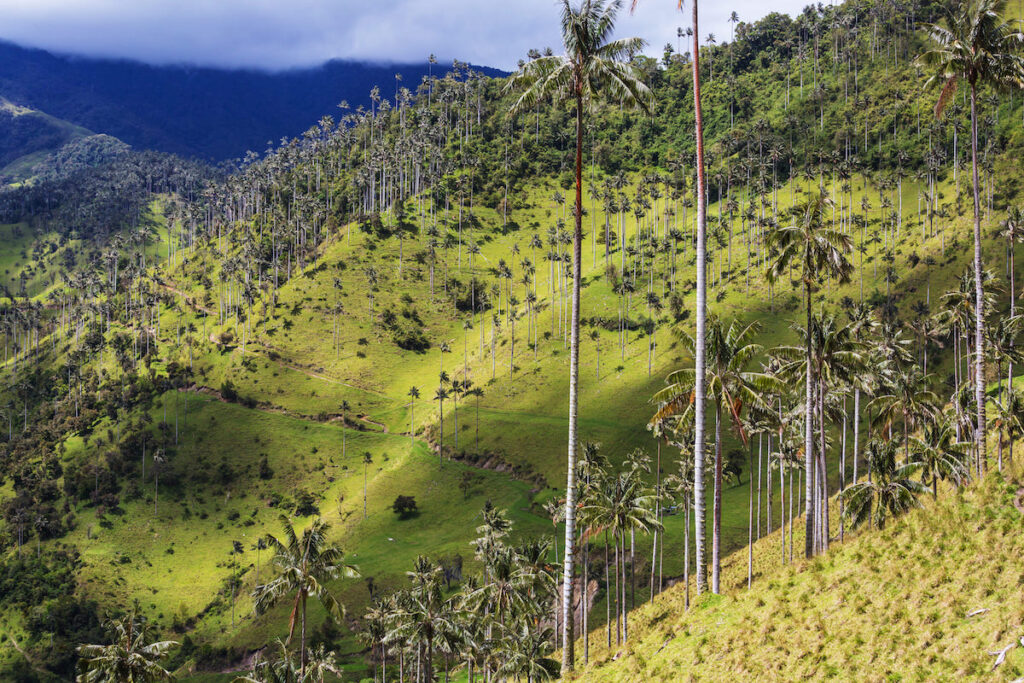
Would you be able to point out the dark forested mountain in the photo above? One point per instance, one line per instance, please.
(204, 112)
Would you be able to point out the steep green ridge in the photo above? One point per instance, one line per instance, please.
(929, 597)
(29, 136)
(266, 301)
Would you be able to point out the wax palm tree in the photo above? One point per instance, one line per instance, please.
(624, 504)
(862, 324)
(524, 653)
(890, 491)
(367, 461)
(440, 395)
(376, 622)
(821, 254)
(732, 386)
(345, 408)
(1008, 410)
(259, 546)
(592, 467)
(504, 594)
(593, 67)
(321, 662)
(679, 488)
(284, 669)
(1001, 339)
(1012, 230)
(414, 393)
(305, 563)
(555, 510)
(837, 364)
(130, 657)
(977, 46)
(905, 396)
(158, 460)
(941, 455)
(268, 671)
(423, 613)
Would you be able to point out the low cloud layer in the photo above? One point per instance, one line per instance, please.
(282, 34)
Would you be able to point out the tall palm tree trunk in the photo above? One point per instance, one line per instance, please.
(856, 430)
(750, 519)
(716, 519)
(979, 313)
(1013, 300)
(584, 599)
(686, 554)
(608, 601)
(823, 468)
(808, 439)
(701, 305)
(303, 658)
(568, 639)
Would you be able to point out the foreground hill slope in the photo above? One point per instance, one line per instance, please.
(929, 597)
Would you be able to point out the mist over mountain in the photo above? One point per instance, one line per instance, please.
(209, 113)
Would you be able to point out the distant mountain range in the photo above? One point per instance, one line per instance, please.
(208, 113)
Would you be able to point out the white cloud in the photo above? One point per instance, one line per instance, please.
(279, 34)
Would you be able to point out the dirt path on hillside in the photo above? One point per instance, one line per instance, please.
(35, 667)
(266, 407)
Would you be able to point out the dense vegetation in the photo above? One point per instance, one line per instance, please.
(241, 401)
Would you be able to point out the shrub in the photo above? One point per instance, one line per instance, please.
(305, 504)
(228, 391)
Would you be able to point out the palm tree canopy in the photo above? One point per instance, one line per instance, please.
(976, 45)
(305, 564)
(593, 62)
(729, 352)
(892, 490)
(128, 658)
(818, 250)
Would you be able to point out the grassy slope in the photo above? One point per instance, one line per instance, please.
(886, 605)
(615, 408)
(310, 378)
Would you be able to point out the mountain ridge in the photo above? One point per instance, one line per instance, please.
(208, 113)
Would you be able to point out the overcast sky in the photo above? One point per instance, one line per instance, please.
(279, 34)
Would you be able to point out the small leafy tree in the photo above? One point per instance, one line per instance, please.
(405, 507)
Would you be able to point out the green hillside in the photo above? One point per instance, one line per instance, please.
(379, 310)
(36, 145)
(29, 136)
(929, 597)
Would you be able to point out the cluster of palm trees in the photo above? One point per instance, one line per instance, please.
(496, 625)
(855, 370)
(455, 390)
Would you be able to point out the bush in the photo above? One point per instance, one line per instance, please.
(264, 471)
(411, 339)
(228, 391)
(305, 504)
